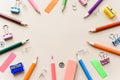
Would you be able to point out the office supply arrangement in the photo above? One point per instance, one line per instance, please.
(71, 67)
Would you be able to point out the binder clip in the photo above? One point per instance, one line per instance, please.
(17, 68)
(7, 34)
(83, 2)
(15, 9)
(109, 11)
(115, 39)
(44, 71)
(104, 58)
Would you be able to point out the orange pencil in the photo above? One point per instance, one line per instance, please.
(32, 67)
(110, 25)
(105, 48)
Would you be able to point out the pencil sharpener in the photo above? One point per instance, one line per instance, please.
(109, 11)
(15, 10)
(17, 68)
(83, 2)
(7, 36)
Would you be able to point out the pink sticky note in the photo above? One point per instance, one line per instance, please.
(7, 62)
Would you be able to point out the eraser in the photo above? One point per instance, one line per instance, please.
(70, 70)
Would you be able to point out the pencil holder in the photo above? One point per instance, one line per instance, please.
(109, 11)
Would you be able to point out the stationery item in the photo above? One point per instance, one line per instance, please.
(93, 8)
(109, 11)
(7, 62)
(7, 34)
(2, 43)
(16, 9)
(17, 68)
(64, 2)
(104, 58)
(115, 39)
(70, 70)
(18, 44)
(83, 66)
(110, 25)
(99, 68)
(12, 19)
(51, 6)
(43, 72)
(32, 67)
(105, 48)
(53, 69)
(74, 5)
(34, 5)
(83, 2)
(61, 65)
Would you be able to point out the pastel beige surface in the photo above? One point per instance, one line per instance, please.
(61, 35)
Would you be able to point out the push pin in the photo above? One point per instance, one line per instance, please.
(16, 9)
(109, 11)
(83, 2)
(104, 59)
(17, 68)
(115, 39)
(7, 34)
(44, 71)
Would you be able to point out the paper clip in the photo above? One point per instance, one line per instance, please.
(109, 11)
(7, 34)
(104, 58)
(74, 5)
(115, 39)
(44, 71)
(16, 9)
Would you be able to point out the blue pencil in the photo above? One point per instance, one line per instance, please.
(82, 64)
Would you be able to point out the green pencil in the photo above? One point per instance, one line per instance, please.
(18, 44)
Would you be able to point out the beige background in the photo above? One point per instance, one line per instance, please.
(61, 35)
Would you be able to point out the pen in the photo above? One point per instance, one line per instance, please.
(93, 8)
(100, 28)
(18, 44)
(53, 69)
(32, 67)
(12, 19)
(105, 48)
(64, 2)
(34, 5)
(83, 66)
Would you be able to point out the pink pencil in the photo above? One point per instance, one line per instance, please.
(53, 69)
(34, 5)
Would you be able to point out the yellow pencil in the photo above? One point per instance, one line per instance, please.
(32, 67)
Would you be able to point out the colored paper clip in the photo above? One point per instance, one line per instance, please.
(83, 2)
(104, 58)
(74, 5)
(7, 34)
(16, 9)
(17, 68)
(115, 39)
(109, 11)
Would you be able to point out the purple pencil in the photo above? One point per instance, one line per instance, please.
(93, 8)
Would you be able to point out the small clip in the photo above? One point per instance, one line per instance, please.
(15, 9)
(74, 5)
(83, 2)
(104, 59)
(109, 11)
(17, 68)
(7, 34)
(115, 39)
(44, 71)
